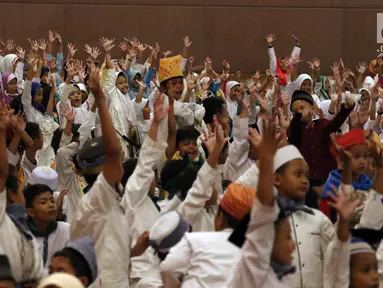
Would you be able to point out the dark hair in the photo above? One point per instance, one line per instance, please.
(129, 166)
(77, 261)
(282, 169)
(33, 191)
(231, 221)
(213, 106)
(90, 178)
(187, 133)
(12, 183)
(57, 135)
(33, 130)
(172, 168)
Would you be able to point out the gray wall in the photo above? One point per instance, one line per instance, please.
(223, 29)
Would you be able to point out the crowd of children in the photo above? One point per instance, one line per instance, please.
(122, 171)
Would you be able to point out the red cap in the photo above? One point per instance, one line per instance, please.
(354, 137)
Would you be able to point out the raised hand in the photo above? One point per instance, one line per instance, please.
(167, 53)
(58, 38)
(335, 68)
(19, 123)
(107, 44)
(270, 39)
(342, 203)
(270, 141)
(361, 68)
(94, 81)
(141, 84)
(71, 50)
(10, 45)
(67, 111)
(284, 121)
(209, 139)
(345, 155)
(191, 82)
(160, 111)
(296, 40)
(60, 198)
(51, 36)
(43, 44)
(34, 45)
(295, 59)
(133, 52)
(32, 62)
(141, 47)
(123, 46)
(187, 42)
(133, 41)
(70, 68)
(6, 116)
(191, 60)
(20, 52)
(254, 137)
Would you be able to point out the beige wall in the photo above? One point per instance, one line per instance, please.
(223, 29)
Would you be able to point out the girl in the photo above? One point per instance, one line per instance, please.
(121, 107)
(232, 97)
(9, 87)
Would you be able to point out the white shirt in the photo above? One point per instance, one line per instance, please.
(57, 241)
(24, 255)
(205, 259)
(100, 215)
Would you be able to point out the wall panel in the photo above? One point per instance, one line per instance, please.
(223, 29)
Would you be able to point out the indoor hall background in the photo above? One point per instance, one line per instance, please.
(223, 29)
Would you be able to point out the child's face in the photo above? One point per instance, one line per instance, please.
(360, 159)
(284, 246)
(122, 84)
(134, 82)
(39, 95)
(146, 111)
(284, 64)
(305, 108)
(12, 86)
(61, 264)
(293, 182)
(75, 97)
(234, 93)
(364, 272)
(189, 147)
(43, 208)
(39, 142)
(175, 87)
(327, 85)
(306, 86)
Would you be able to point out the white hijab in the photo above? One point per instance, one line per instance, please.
(6, 64)
(232, 105)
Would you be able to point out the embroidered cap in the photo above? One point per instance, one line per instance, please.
(359, 246)
(44, 175)
(285, 155)
(237, 200)
(170, 68)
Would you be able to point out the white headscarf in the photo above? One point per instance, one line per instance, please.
(368, 83)
(6, 64)
(143, 124)
(232, 105)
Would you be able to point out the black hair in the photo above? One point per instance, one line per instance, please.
(77, 261)
(57, 135)
(33, 191)
(283, 168)
(171, 169)
(187, 133)
(12, 183)
(33, 130)
(129, 166)
(213, 106)
(163, 84)
(231, 221)
(90, 178)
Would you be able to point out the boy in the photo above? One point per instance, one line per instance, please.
(78, 258)
(213, 257)
(354, 142)
(15, 240)
(50, 234)
(312, 138)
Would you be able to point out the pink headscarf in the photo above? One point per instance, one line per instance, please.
(5, 79)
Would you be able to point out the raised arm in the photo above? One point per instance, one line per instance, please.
(272, 57)
(112, 166)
